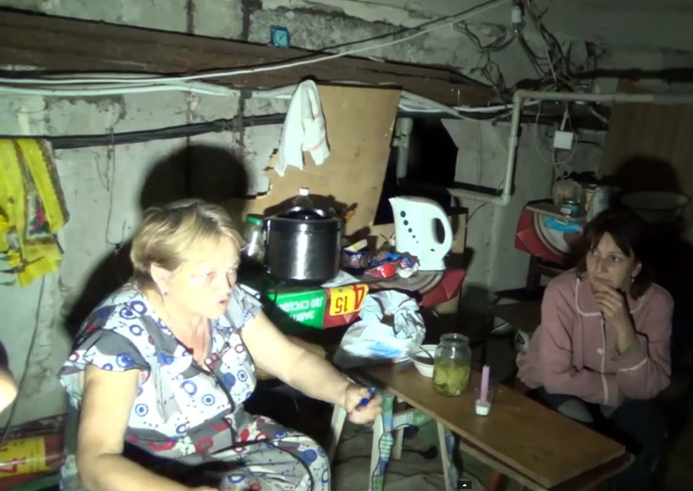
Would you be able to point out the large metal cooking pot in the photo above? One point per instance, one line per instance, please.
(303, 244)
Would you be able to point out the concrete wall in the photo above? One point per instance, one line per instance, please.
(103, 185)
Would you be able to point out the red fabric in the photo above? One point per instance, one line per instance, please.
(447, 289)
(527, 239)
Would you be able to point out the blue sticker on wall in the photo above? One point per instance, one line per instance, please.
(279, 36)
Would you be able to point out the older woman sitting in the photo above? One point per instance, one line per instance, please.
(166, 362)
(601, 352)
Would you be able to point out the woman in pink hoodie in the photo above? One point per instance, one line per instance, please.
(601, 353)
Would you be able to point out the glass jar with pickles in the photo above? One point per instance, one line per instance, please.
(452, 365)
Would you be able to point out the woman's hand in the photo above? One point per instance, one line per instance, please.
(613, 305)
(353, 395)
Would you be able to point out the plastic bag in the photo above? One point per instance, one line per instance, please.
(390, 325)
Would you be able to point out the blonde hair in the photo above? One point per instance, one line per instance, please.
(169, 231)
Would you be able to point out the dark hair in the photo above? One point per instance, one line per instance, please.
(628, 231)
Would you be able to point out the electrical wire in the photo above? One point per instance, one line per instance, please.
(172, 132)
(435, 26)
(135, 83)
(485, 69)
(556, 164)
(118, 90)
(217, 126)
(151, 83)
(67, 142)
(413, 103)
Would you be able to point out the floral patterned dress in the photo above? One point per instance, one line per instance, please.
(185, 416)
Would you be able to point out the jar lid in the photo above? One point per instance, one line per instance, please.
(454, 338)
(254, 220)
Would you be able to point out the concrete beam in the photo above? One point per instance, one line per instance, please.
(54, 43)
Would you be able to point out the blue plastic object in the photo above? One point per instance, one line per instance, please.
(366, 400)
(279, 36)
(565, 227)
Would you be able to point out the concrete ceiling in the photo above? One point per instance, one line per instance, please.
(629, 24)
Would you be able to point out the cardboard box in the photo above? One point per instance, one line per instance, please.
(297, 310)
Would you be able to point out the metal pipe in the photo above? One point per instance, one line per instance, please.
(513, 140)
(582, 96)
(404, 127)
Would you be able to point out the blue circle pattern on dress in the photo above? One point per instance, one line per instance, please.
(228, 379)
(165, 359)
(127, 313)
(108, 367)
(242, 375)
(190, 387)
(208, 399)
(235, 478)
(125, 360)
(180, 429)
(136, 329)
(141, 409)
(310, 455)
(325, 475)
(138, 306)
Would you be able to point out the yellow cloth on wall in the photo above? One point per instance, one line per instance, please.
(32, 209)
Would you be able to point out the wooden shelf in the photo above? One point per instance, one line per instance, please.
(549, 209)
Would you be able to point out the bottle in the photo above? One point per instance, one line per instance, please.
(254, 237)
(303, 200)
(452, 365)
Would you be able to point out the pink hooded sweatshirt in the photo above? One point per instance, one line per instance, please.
(573, 351)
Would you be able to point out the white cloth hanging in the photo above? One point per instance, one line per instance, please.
(304, 129)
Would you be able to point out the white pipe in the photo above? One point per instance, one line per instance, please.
(513, 140)
(404, 127)
(582, 96)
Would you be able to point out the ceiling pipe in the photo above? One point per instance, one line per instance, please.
(521, 95)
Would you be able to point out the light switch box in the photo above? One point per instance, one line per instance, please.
(563, 140)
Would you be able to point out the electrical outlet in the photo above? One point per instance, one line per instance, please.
(563, 140)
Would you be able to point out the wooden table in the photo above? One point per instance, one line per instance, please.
(541, 448)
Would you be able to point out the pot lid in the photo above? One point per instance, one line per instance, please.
(306, 218)
(306, 213)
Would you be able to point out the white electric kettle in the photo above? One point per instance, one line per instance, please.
(415, 231)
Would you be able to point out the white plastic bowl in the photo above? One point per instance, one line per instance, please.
(422, 362)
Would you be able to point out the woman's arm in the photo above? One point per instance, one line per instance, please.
(301, 369)
(644, 369)
(106, 404)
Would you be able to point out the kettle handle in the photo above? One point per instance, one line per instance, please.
(438, 213)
